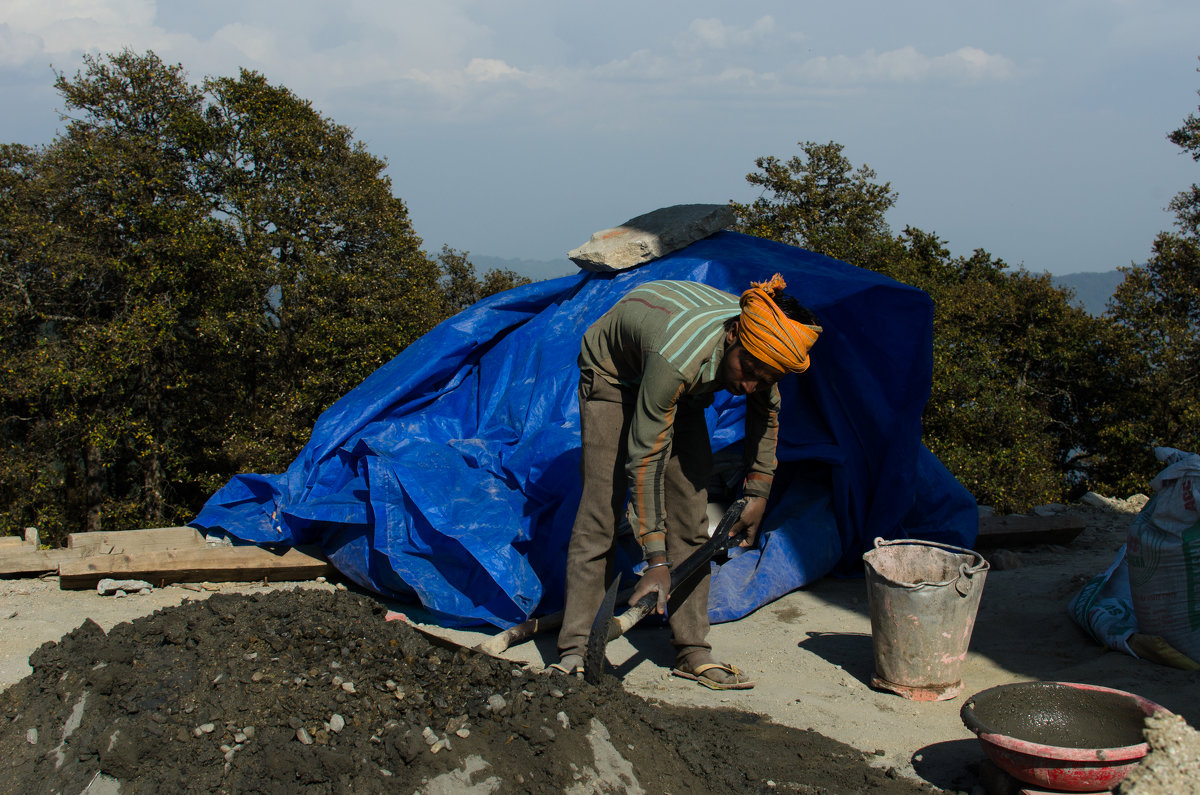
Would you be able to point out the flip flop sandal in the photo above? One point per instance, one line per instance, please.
(570, 665)
(697, 675)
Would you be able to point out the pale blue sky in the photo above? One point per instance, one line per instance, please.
(1033, 129)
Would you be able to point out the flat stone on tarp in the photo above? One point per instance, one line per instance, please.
(650, 236)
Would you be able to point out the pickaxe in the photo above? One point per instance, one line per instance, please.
(605, 627)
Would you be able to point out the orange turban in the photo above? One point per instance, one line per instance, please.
(771, 336)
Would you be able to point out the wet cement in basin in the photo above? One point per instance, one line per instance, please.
(1052, 714)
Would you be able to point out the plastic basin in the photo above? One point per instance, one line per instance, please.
(1061, 735)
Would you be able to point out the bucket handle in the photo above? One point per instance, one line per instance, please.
(963, 582)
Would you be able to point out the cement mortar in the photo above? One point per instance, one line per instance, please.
(1061, 716)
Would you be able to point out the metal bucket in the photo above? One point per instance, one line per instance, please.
(923, 598)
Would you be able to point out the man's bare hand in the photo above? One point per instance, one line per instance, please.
(655, 579)
(750, 519)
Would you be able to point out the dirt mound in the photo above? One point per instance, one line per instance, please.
(307, 691)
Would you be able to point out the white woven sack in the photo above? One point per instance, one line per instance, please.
(1163, 552)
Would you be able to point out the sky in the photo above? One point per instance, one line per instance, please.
(1034, 129)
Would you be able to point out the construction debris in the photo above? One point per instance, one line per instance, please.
(122, 587)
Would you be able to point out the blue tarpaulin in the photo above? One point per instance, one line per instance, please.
(451, 474)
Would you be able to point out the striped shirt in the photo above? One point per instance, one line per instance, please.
(666, 340)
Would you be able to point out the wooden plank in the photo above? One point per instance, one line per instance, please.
(11, 541)
(1016, 530)
(26, 562)
(201, 564)
(110, 542)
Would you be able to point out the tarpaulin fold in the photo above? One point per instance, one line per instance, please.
(451, 474)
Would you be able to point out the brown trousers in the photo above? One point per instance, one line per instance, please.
(605, 414)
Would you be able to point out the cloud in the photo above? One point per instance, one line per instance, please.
(261, 46)
(280, 38)
(714, 34)
(18, 47)
(479, 74)
(63, 27)
(490, 69)
(906, 65)
(461, 60)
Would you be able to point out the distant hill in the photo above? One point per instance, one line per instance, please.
(1092, 290)
(535, 269)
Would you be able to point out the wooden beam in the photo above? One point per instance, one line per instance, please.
(201, 564)
(1016, 530)
(117, 542)
(25, 562)
(20, 558)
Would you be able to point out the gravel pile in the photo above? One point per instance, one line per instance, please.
(1173, 765)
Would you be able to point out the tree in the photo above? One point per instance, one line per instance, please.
(1186, 205)
(461, 287)
(821, 203)
(343, 282)
(191, 275)
(1014, 393)
(1014, 364)
(1157, 311)
(110, 256)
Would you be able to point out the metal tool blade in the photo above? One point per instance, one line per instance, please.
(606, 628)
(594, 661)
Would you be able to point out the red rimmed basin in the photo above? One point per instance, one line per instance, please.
(1061, 735)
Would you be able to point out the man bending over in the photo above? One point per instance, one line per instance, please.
(648, 368)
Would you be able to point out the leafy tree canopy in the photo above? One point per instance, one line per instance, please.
(819, 202)
(192, 273)
(1013, 361)
(1157, 313)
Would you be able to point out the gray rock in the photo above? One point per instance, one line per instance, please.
(651, 236)
(1137, 501)
(108, 586)
(1116, 505)
(102, 784)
